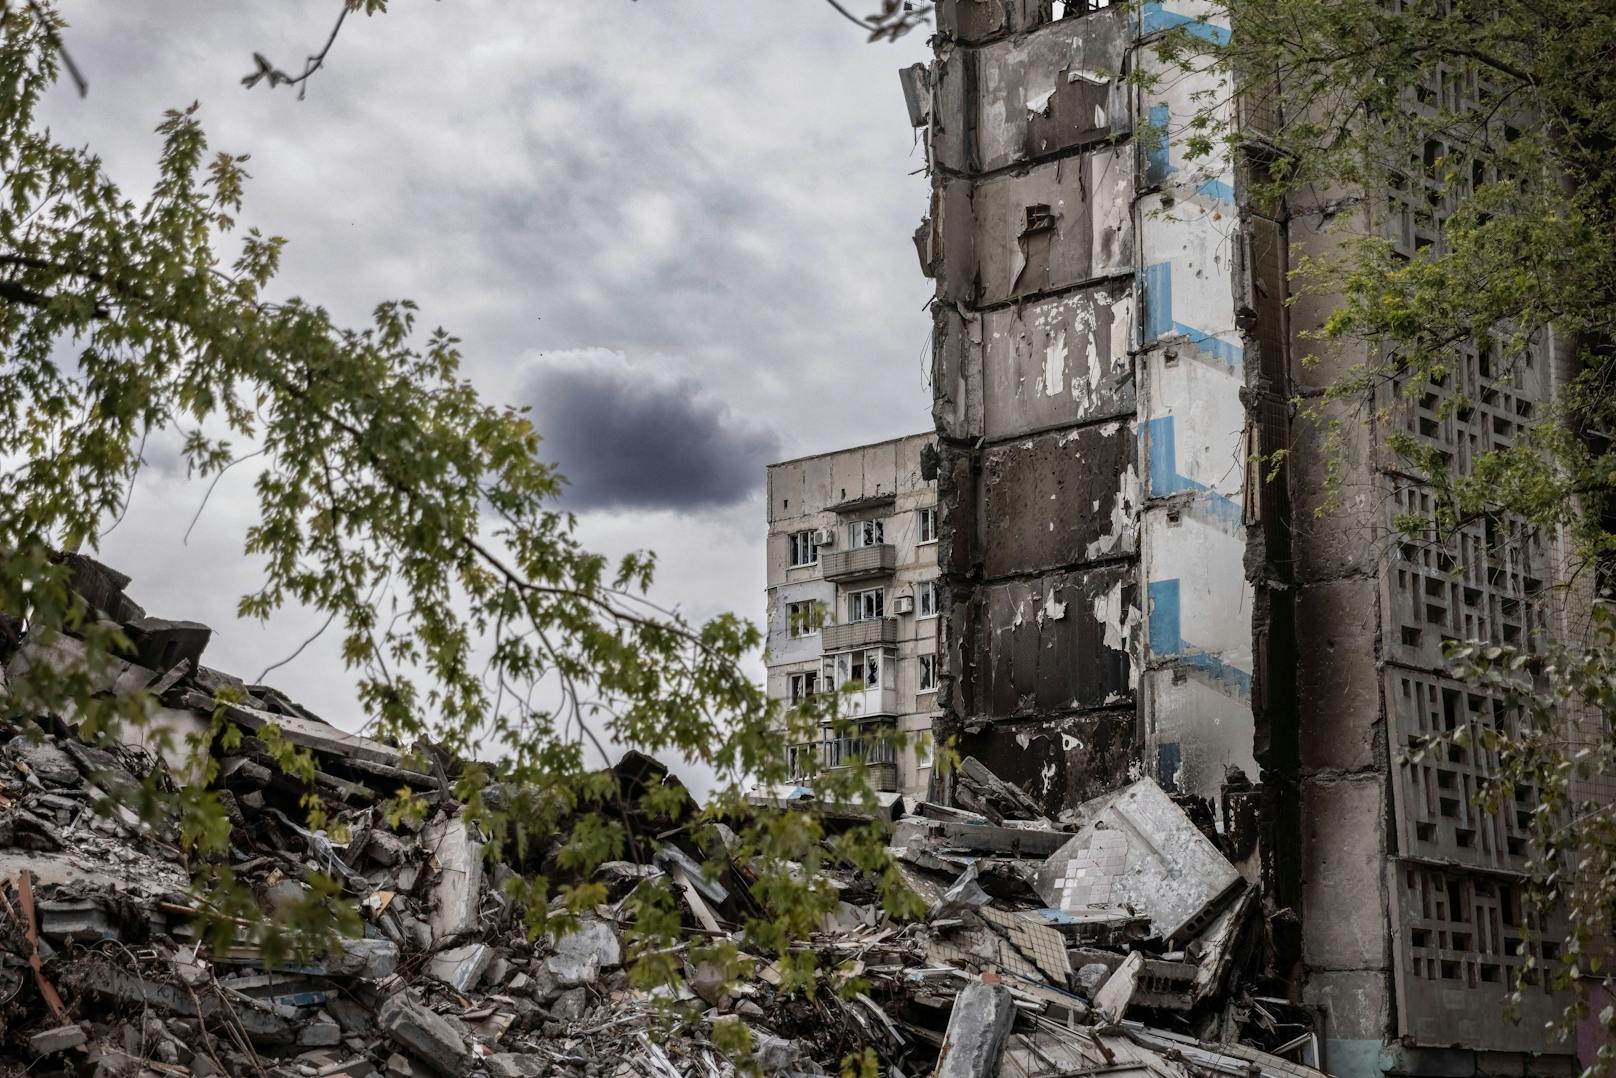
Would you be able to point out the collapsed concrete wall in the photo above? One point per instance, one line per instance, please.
(1090, 393)
(1032, 241)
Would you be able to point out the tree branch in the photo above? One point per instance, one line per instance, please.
(277, 77)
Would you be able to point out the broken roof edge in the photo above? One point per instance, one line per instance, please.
(850, 449)
(868, 501)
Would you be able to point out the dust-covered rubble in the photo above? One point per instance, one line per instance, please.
(1119, 941)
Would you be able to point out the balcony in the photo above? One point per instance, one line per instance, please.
(834, 753)
(869, 633)
(861, 563)
(868, 703)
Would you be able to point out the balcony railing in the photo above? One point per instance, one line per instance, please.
(861, 563)
(869, 633)
(832, 753)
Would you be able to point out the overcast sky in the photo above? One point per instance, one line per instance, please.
(679, 229)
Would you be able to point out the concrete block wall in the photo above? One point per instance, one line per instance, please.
(1427, 991)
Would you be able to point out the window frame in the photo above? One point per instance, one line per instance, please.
(808, 679)
(926, 662)
(859, 533)
(925, 751)
(855, 605)
(801, 540)
(843, 668)
(798, 628)
(927, 588)
(858, 665)
(928, 535)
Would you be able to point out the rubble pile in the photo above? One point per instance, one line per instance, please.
(1121, 940)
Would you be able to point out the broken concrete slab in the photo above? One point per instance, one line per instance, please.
(1218, 1058)
(59, 1039)
(424, 1034)
(775, 1055)
(77, 921)
(1137, 848)
(963, 893)
(582, 954)
(513, 1065)
(980, 790)
(98, 977)
(977, 1027)
(318, 737)
(384, 848)
(1112, 1000)
(100, 586)
(321, 1031)
(570, 1005)
(984, 838)
(43, 760)
(457, 896)
(160, 643)
(371, 959)
(461, 967)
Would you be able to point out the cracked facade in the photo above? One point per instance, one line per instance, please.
(1123, 590)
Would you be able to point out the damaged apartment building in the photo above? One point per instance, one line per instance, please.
(1124, 588)
(852, 597)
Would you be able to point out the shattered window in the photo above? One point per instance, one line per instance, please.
(928, 525)
(866, 605)
(803, 686)
(872, 669)
(926, 599)
(803, 619)
(867, 533)
(843, 668)
(803, 549)
(928, 673)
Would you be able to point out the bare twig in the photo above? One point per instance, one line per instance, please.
(311, 638)
(849, 16)
(206, 497)
(277, 77)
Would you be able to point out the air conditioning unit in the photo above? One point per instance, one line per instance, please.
(903, 604)
(824, 537)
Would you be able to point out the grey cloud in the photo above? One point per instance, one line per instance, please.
(628, 440)
(728, 183)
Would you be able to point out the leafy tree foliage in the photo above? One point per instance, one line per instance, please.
(1558, 744)
(419, 518)
(1493, 123)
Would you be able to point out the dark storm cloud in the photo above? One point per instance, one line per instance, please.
(627, 440)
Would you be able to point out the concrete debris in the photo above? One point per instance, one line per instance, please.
(1117, 992)
(460, 857)
(581, 955)
(1139, 849)
(50, 1041)
(461, 968)
(43, 760)
(425, 1034)
(1121, 941)
(977, 1028)
(371, 959)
